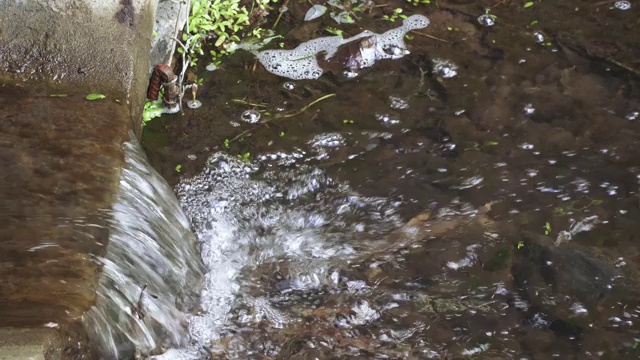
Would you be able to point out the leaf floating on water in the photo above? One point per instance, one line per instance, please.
(95, 97)
(315, 12)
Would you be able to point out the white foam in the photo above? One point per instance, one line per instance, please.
(300, 63)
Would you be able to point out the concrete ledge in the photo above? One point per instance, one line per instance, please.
(102, 46)
(61, 157)
(31, 344)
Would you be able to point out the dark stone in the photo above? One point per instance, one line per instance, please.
(127, 15)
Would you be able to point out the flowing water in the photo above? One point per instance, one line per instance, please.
(151, 268)
(477, 198)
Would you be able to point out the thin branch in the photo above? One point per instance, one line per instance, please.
(284, 116)
(430, 36)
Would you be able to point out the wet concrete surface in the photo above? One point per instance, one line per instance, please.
(61, 157)
(60, 175)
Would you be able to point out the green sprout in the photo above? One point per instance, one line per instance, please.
(281, 134)
(95, 97)
(334, 31)
(547, 229)
(348, 121)
(418, 2)
(528, 4)
(152, 110)
(397, 13)
(520, 245)
(226, 143)
(178, 168)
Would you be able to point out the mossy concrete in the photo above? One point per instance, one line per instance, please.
(61, 157)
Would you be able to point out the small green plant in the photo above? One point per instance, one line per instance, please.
(227, 143)
(397, 14)
(178, 168)
(520, 245)
(547, 229)
(418, 2)
(152, 110)
(334, 31)
(95, 97)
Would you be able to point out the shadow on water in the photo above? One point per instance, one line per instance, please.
(477, 198)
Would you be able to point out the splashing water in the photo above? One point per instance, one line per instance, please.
(149, 262)
(246, 218)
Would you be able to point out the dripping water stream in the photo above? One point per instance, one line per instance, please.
(150, 268)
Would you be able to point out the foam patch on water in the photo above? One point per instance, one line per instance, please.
(300, 63)
(245, 217)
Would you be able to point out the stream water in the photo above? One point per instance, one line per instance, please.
(151, 269)
(477, 198)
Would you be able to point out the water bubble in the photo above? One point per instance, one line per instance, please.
(212, 67)
(529, 109)
(250, 116)
(538, 37)
(526, 146)
(289, 85)
(632, 116)
(487, 20)
(315, 12)
(348, 74)
(194, 104)
(445, 68)
(398, 103)
(234, 123)
(387, 120)
(192, 157)
(622, 5)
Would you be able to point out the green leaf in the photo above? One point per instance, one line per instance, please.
(95, 97)
(528, 4)
(533, 22)
(220, 40)
(178, 168)
(58, 95)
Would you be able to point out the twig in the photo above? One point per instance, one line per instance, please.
(280, 14)
(430, 36)
(283, 116)
(245, 102)
(137, 309)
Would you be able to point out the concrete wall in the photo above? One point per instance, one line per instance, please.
(101, 46)
(61, 156)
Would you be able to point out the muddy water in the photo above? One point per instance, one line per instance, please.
(489, 214)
